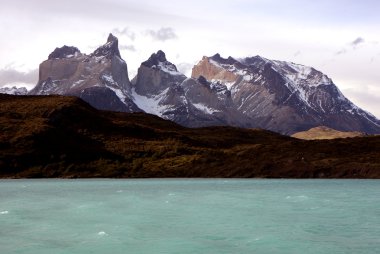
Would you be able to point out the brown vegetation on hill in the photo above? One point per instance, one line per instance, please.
(57, 136)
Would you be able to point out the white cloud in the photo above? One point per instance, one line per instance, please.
(127, 47)
(126, 31)
(10, 77)
(162, 34)
(185, 68)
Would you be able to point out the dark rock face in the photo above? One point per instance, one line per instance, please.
(106, 99)
(219, 59)
(155, 59)
(100, 78)
(202, 80)
(63, 52)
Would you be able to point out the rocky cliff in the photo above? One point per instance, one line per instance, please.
(100, 78)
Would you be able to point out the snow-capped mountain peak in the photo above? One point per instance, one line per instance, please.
(158, 61)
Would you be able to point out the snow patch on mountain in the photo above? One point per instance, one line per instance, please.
(215, 63)
(301, 75)
(229, 85)
(355, 110)
(113, 85)
(205, 108)
(118, 93)
(151, 104)
(76, 54)
(77, 83)
(169, 68)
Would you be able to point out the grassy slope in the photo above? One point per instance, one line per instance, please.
(55, 136)
(323, 132)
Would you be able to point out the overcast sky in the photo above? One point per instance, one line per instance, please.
(340, 38)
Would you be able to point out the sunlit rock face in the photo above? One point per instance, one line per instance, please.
(100, 78)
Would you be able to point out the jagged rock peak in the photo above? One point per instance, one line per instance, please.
(112, 38)
(155, 59)
(64, 52)
(110, 49)
(254, 60)
(158, 61)
(230, 60)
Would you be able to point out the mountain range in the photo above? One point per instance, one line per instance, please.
(251, 92)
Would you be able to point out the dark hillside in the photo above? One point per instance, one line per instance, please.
(59, 136)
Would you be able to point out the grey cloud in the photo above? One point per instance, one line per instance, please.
(297, 53)
(112, 10)
(125, 31)
(127, 47)
(163, 34)
(357, 41)
(354, 44)
(341, 52)
(9, 76)
(374, 57)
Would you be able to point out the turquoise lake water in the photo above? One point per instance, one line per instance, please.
(189, 216)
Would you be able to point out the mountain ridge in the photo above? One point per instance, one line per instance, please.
(251, 92)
